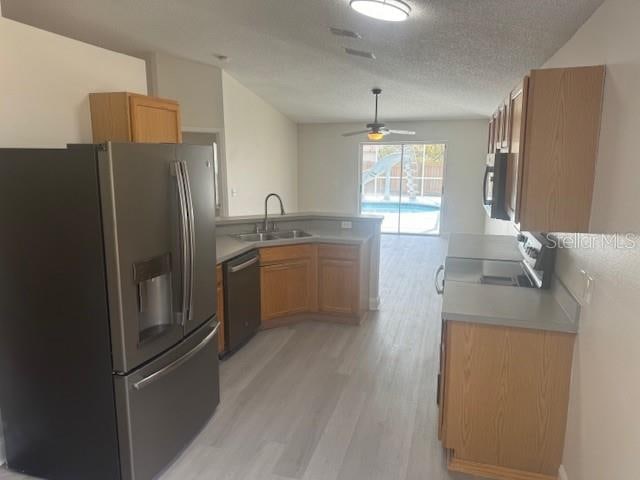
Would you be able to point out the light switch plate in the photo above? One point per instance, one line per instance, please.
(346, 225)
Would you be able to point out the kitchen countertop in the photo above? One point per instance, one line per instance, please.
(484, 247)
(466, 299)
(297, 216)
(228, 247)
(506, 306)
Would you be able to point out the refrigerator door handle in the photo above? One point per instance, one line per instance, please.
(192, 238)
(140, 384)
(184, 235)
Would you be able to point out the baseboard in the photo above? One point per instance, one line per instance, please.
(374, 303)
(562, 473)
(494, 472)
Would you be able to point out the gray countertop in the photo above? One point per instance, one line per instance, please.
(467, 299)
(485, 247)
(298, 216)
(508, 306)
(228, 247)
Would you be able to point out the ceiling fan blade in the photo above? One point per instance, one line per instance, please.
(402, 132)
(352, 134)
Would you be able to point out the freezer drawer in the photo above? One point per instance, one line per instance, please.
(162, 406)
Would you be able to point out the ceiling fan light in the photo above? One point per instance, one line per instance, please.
(375, 136)
(388, 10)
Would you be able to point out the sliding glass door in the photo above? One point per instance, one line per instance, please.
(404, 183)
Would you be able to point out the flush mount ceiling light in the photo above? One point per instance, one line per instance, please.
(388, 10)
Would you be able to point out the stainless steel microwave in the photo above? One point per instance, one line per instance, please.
(494, 186)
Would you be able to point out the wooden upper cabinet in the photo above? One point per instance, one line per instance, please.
(493, 133)
(129, 117)
(515, 145)
(503, 141)
(550, 126)
(562, 130)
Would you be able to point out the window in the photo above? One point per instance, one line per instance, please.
(404, 183)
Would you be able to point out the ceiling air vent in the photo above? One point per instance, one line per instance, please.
(360, 53)
(345, 33)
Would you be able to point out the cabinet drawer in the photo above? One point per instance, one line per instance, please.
(290, 252)
(339, 252)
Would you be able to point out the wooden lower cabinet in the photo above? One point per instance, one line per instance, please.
(220, 308)
(503, 395)
(288, 281)
(338, 280)
(286, 288)
(299, 279)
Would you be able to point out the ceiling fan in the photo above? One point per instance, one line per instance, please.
(376, 131)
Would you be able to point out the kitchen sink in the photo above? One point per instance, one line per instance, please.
(291, 234)
(271, 236)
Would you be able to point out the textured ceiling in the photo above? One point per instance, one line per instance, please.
(451, 59)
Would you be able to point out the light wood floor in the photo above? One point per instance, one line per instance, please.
(320, 401)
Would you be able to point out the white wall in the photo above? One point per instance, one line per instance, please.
(603, 436)
(328, 168)
(45, 83)
(261, 151)
(196, 86)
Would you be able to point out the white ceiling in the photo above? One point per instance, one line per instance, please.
(451, 59)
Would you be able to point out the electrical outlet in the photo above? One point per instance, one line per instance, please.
(234, 192)
(346, 225)
(587, 292)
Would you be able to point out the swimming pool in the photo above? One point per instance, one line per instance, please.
(392, 207)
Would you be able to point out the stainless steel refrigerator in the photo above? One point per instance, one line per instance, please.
(108, 334)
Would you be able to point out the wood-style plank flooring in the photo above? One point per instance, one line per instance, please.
(319, 401)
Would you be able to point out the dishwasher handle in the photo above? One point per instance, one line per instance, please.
(243, 265)
(439, 289)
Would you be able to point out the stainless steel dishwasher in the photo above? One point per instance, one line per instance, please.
(241, 300)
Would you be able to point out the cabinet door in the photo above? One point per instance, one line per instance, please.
(220, 311)
(286, 288)
(517, 105)
(506, 127)
(154, 120)
(338, 286)
(506, 398)
(496, 138)
(490, 142)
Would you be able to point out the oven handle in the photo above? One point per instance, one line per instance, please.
(139, 385)
(488, 170)
(439, 289)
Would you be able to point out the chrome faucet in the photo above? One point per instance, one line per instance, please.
(265, 222)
